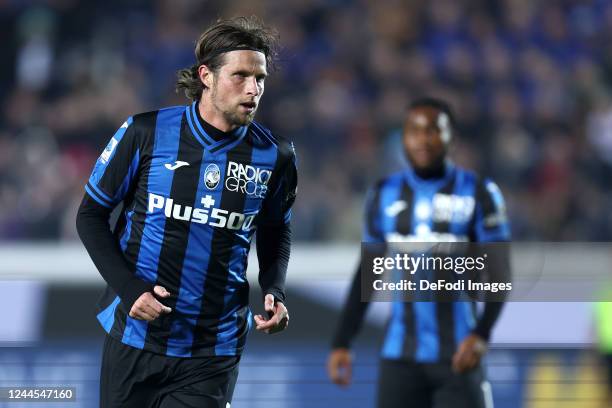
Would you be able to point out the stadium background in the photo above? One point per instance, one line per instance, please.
(531, 84)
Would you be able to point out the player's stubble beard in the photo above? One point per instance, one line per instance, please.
(233, 117)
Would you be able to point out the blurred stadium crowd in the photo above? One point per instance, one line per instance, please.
(531, 83)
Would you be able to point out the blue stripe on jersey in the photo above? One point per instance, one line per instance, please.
(126, 233)
(121, 192)
(107, 316)
(192, 119)
(165, 149)
(227, 336)
(96, 197)
(101, 166)
(394, 340)
(464, 320)
(197, 256)
(102, 194)
(427, 336)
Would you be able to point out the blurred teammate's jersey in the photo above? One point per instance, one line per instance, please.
(191, 206)
(457, 207)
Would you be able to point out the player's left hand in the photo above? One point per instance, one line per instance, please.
(278, 317)
(469, 353)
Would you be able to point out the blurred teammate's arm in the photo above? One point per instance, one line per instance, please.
(491, 225)
(352, 315)
(339, 363)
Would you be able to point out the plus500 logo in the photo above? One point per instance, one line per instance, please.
(215, 217)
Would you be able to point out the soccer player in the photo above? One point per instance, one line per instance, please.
(432, 350)
(196, 182)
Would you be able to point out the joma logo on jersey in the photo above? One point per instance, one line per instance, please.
(215, 217)
(452, 208)
(247, 179)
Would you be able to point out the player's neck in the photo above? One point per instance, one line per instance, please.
(433, 172)
(210, 125)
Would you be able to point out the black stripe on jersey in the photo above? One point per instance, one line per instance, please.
(223, 240)
(485, 202)
(144, 124)
(176, 233)
(277, 172)
(484, 199)
(403, 222)
(445, 309)
(403, 226)
(222, 145)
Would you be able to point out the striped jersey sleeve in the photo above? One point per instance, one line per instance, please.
(276, 209)
(491, 221)
(116, 168)
(372, 228)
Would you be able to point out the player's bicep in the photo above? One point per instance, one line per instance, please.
(491, 220)
(276, 209)
(116, 168)
(372, 229)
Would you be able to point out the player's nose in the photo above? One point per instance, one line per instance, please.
(251, 86)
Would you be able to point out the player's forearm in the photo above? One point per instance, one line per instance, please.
(273, 251)
(500, 271)
(103, 248)
(487, 320)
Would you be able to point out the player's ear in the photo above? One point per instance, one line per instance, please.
(206, 76)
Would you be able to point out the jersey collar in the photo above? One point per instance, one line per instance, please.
(414, 180)
(204, 138)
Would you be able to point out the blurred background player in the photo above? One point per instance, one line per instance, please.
(196, 182)
(432, 351)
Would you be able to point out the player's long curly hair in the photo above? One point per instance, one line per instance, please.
(247, 32)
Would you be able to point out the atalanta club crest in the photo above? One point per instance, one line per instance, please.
(212, 175)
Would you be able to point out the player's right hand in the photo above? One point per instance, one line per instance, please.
(340, 366)
(147, 307)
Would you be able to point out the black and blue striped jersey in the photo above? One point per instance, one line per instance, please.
(457, 207)
(191, 205)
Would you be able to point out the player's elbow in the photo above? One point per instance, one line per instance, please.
(81, 223)
(88, 218)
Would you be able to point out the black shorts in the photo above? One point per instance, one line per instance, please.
(406, 384)
(135, 378)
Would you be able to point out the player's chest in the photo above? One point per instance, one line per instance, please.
(236, 180)
(424, 213)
